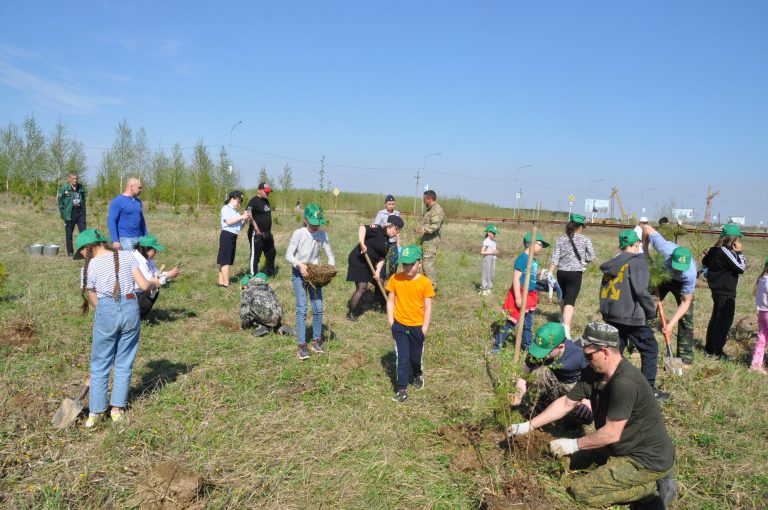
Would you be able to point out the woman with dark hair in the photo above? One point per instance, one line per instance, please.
(231, 223)
(724, 262)
(571, 255)
(373, 240)
(144, 252)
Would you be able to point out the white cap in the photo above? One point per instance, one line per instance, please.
(643, 219)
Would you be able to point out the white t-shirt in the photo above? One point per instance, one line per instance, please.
(761, 298)
(230, 212)
(490, 246)
(639, 232)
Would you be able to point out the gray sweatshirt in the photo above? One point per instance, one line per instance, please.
(624, 296)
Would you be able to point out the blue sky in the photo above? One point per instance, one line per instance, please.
(636, 95)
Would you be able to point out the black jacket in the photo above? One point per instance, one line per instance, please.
(624, 296)
(723, 269)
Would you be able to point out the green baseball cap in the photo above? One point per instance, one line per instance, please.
(248, 277)
(548, 337)
(151, 242)
(539, 237)
(410, 254)
(86, 237)
(491, 228)
(314, 214)
(681, 259)
(731, 229)
(577, 218)
(628, 237)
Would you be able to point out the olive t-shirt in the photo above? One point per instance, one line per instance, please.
(628, 396)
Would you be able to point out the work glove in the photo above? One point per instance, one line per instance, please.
(564, 446)
(584, 412)
(518, 429)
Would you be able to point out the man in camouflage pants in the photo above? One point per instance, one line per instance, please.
(630, 438)
(430, 230)
(260, 308)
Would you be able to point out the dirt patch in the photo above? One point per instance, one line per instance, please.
(16, 333)
(169, 487)
(354, 360)
(518, 493)
(533, 446)
(745, 328)
(300, 387)
(707, 372)
(473, 446)
(26, 408)
(231, 324)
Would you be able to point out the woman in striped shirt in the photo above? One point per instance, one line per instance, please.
(571, 255)
(108, 280)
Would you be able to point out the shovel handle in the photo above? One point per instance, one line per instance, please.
(86, 387)
(373, 272)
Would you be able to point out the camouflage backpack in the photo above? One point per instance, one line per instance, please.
(259, 305)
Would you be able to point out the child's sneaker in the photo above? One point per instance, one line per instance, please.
(303, 352)
(418, 382)
(400, 396)
(92, 421)
(317, 346)
(117, 415)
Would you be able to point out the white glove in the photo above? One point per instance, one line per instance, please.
(564, 446)
(518, 429)
(163, 278)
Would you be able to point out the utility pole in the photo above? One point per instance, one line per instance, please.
(322, 172)
(416, 196)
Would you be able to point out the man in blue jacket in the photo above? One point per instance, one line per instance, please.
(125, 218)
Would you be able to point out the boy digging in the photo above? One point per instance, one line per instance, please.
(409, 311)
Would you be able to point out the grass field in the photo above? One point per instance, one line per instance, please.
(243, 424)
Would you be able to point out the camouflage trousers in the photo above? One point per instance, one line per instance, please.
(685, 324)
(619, 480)
(429, 257)
(546, 388)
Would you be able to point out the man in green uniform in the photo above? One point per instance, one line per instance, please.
(72, 208)
(430, 239)
(630, 439)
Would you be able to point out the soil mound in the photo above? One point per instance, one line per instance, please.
(169, 487)
(16, 333)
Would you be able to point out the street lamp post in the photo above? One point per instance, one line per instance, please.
(229, 151)
(418, 176)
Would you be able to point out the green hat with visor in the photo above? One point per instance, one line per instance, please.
(491, 228)
(681, 259)
(410, 254)
(628, 237)
(314, 214)
(577, 218)
(548, 337)
(731, 229)
(539, 237)
(86, 237)
(151, 242)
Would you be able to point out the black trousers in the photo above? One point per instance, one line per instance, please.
(723, 309)
(643, 339)
(77, 218)
(264, 243)
(146, 302)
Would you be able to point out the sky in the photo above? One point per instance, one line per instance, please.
(658, 99)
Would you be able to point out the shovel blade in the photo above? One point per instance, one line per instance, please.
(673, 365)
(67, 412)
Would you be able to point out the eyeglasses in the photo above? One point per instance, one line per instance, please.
(589, 355)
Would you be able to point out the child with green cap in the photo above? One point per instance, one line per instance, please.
(304, 248)
(489, 252)
(724, 262)
(514, 300)
(144, 252)
(409, 312)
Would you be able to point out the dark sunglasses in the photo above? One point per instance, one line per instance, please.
(589, 355)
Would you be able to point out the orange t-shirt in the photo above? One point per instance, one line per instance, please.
(409, 298)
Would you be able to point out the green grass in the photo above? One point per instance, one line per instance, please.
(265, 431)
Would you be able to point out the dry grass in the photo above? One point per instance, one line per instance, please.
(262, 430)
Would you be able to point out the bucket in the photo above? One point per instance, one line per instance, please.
(51, 250)
(35, 249)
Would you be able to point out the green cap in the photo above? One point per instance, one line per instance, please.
(151, 242)
(262, 276)
(548, 336)
(577, 218)
(410, 254)
(491, 228)
(86, 237)
(731, 229)
(539, 237)
(248, 277)
(681, 259)
(314, 214)
(628, 238)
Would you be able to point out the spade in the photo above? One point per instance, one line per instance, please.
(70, 408)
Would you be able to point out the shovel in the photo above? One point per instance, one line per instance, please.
(670, 363)
(70, 408)
(373, 272)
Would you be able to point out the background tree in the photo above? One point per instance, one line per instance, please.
(202, 168)
(160, 176)
(65, 154)
(263, 176)
(34, 157)
(10, 155)
(286, 184)
(118, 162)
(227, 178)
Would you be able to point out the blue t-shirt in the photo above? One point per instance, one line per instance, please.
(688, 278)
(567, 368)
(125, 218)
(520, 263)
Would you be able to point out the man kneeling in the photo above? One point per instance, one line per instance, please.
(259, 307)
(630, 429)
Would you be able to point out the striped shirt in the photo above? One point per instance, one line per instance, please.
(564, 258)
(101, 274)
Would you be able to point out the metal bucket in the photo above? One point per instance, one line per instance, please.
(35, 249)
(51, 250)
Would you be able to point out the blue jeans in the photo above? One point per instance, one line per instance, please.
(316, 297)
(116, 329)
(409, 348)
(127, 243)
(508, 328)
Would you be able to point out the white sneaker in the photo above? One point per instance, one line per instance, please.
(92, 421)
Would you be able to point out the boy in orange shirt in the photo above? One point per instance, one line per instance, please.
(409, 310)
